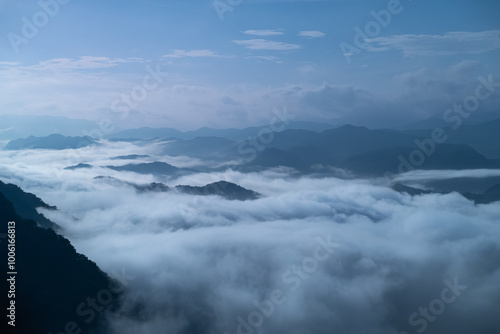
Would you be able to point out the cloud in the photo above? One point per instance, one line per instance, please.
(200, 263)
(451, 43)
(268, 58)
(192, 53)
(263, 32)
(9, 63)
(312, 34)
(263, 44)
(82, 63)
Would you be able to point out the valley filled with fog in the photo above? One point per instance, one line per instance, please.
(311, 253)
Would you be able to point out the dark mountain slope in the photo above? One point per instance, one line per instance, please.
(26, 204)
(52, 280)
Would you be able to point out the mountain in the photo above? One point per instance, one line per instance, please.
(22, 126)
(401, 188)
(330, 147)
(231, 134)
(52, 142)
(155, 168)
(224, 189)
(79, 166)
(290, 138)
(484, 137)
(54, 282)
(274, 157)
(130, 157)
(365, 152)
(439, 122)
(491, 195)
(26, 204)
(397, 159)
(148, 133)
(201, 147)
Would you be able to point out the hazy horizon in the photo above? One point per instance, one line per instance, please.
(202, 63)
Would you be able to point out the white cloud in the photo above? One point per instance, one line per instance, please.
(451, 43)
(264, 44)
(268, 58)
(9, 63)
(263, 32)
(82, 63)
(312, 34)
(192, 54)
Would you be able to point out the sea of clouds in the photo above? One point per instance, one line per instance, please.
(311, 255)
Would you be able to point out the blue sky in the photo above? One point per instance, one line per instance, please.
(225, 65)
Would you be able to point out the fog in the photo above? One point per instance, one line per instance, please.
(311, 255)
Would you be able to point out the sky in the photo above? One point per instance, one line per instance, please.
(229, 63)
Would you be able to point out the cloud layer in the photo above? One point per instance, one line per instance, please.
(204, 265)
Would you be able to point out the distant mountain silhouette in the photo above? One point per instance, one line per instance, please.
(147, 133)
(224, 189)
(397, 159)
(491, 195)
(155, 168)
(274, 157)
(130, 157)
(484, 137)
(53, 280)
(79, 166)
(401, 188)
(22, 126)
(201, 147)
(52, 142)
(364, 152)
(231, 134)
